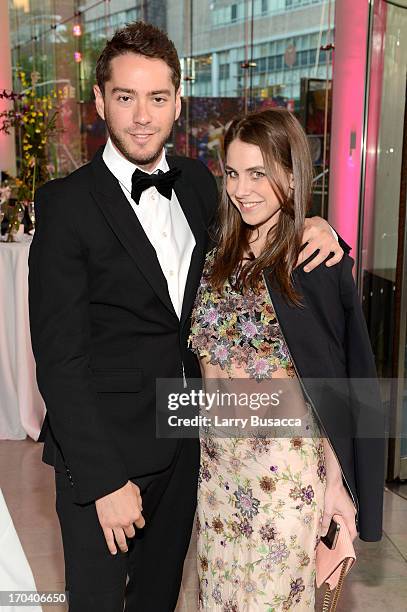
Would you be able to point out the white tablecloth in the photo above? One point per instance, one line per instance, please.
(21, 407)
(15, 572)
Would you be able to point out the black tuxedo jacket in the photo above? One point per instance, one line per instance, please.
(329, 344)
(103, 326)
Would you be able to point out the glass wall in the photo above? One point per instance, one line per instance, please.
(383, 223)
(43, 47)
(236, 55)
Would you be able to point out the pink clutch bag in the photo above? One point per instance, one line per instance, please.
(332, 565)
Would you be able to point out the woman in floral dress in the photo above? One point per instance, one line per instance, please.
(263, 501)
(260, 499)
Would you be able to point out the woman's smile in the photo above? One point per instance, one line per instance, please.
(246, 206)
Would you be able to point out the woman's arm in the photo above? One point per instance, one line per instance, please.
(337, 498)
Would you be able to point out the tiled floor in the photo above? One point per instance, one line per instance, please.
(378, 582)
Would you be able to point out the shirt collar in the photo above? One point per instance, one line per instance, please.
(123, 169)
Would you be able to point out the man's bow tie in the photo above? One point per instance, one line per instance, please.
(162, 181)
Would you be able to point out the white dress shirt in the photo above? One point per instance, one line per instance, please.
(162, 220)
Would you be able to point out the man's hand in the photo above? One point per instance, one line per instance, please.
(318, 234)
(117, 512)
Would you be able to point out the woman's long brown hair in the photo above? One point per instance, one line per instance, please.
(284, 146)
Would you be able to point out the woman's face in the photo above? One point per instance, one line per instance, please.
(248, 186)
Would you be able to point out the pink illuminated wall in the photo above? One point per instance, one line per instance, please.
(7, 148)
(372, 138)
(351, 31)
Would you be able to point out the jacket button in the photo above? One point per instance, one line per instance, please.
(68, 473)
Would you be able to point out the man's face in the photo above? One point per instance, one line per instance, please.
(139, 105)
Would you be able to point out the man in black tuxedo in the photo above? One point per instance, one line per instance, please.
(114, 267)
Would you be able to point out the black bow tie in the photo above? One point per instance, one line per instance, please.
(162, 181)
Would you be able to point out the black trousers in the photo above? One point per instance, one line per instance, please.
(96, 579)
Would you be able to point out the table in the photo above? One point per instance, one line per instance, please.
(22, 409)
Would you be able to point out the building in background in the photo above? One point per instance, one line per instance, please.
(268, 52)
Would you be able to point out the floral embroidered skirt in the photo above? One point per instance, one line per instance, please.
(260, 505)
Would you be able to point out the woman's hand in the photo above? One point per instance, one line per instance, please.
(338, 501)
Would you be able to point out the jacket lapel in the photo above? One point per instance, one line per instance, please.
(300, 328)
(190, 206)
(119, 214)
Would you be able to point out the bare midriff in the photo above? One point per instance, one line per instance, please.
(237, 380)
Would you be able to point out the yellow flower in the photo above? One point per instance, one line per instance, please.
(37, 131)
(33, 114)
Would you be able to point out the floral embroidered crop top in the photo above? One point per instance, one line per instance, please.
(238, 328)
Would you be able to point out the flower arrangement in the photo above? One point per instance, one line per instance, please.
(34, 118)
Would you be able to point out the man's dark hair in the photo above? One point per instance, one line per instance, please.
(143, 39)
